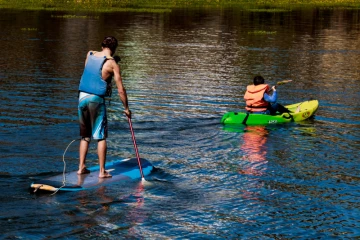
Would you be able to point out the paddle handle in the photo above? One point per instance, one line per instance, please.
(135, 147)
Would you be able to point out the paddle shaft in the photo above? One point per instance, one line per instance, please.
(135, 147)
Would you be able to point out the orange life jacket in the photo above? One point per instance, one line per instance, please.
(254, 98)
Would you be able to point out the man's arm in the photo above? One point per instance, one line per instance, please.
(272, 98)
(121, 89)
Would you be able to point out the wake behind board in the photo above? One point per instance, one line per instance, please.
(121, 170)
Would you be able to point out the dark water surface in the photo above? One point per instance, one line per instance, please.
(183, 70)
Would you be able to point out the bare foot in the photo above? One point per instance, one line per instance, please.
(105, 175)
(83, 171)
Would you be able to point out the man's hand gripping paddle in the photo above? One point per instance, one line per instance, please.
(281, 83)
(136, 149)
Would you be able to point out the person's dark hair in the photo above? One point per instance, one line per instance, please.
(111, 43)
(258, 80)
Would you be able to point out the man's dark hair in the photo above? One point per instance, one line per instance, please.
(111, 43)
(258, 80)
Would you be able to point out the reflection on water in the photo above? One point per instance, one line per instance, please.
(182, 70)
(107, 210)
(254, 149)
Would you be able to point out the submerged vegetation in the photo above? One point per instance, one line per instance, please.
(167, 5)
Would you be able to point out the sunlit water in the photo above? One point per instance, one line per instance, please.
(182, 71)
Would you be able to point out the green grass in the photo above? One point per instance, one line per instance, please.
(167, 5)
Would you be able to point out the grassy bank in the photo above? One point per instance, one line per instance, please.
(167, 5)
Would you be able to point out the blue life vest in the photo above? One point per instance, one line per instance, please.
(91, 80)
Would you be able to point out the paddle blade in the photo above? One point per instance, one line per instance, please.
(283, 82)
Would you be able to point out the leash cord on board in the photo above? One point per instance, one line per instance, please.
(64, 171)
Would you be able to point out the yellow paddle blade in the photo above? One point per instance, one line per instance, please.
(283, 82)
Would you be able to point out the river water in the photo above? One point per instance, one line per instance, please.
(183, 70)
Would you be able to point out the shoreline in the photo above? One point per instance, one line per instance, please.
(169, 5)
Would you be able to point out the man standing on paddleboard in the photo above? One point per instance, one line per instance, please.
(94, 86)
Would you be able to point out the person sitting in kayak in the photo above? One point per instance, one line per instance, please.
(259, 100)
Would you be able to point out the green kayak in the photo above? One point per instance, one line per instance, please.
(299, 112)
